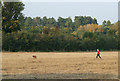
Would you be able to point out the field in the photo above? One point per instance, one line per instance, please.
(59, 65)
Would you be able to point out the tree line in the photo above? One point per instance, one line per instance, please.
(60, 22)
(22, 33)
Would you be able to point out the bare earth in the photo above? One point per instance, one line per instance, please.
(60, 65)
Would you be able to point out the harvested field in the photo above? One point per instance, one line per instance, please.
(59, 65)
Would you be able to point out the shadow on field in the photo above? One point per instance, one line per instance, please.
(60, 76)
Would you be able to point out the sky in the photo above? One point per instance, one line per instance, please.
(99, 10)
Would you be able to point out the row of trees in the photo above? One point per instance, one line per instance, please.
(47, 34)
(56, 39)
(60, 22)
(25, 41)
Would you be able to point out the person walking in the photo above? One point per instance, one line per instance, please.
(98, 54)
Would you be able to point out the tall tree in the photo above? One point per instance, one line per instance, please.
(95, 21)
(28, 22)
(77, 21)
(11, 14)
(108, 23)
(44, 21)
(68, 22)
(37, 21)
(104, 23)
(51, 22)
(61, 22)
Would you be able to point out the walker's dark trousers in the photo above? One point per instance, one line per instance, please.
(98, 55)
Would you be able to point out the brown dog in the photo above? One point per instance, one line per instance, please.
(34, 56)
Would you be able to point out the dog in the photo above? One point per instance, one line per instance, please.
(34, 56)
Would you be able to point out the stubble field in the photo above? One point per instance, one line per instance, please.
(59, 65)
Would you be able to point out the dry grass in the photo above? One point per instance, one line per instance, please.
(59, 63)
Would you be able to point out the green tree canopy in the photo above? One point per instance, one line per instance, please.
(51, 22)
(84, 20)
(61, 22)
(104, 23)
(11, 14)
(108, 23)
(68, 22)
(28, 22)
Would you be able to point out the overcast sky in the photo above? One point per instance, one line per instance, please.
(99, 10)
